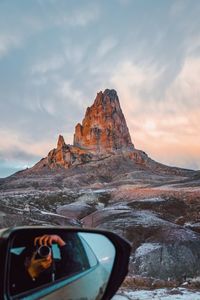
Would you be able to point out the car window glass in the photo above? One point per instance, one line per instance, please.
(90, 254)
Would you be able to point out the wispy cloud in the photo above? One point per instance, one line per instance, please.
(47, 65)
(67, 93)
(61, 13)
(83, 17)
(106, 45)
(13, 142)
(20, 27)
(178, 7)
(8, 42)
(172, 122)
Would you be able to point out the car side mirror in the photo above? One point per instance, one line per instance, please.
(62, 263)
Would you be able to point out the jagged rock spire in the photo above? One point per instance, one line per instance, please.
(102, 131)
(104, 127)
(61, 142)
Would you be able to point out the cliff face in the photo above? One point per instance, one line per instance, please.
(104, 127)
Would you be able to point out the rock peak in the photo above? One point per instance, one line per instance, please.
(104, 127)
(61, 142)
(109, 95)
(102, 133)
(112, 94)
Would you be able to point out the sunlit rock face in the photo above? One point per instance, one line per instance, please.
(104, 127)
(103, 132)
(61, 155)
(66, 155)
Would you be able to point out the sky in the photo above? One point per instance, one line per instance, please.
(55, 55)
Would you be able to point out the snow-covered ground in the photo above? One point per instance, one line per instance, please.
(145, 248)
(159, 294)
(153, 200)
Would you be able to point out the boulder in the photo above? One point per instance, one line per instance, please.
(168, 261)
(76, 210)
(160, 249)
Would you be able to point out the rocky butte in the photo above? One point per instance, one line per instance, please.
(104, 127)
(103, 132)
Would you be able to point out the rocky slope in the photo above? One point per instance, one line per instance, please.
(103, 181)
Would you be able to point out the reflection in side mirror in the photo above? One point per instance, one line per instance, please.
(59, 264)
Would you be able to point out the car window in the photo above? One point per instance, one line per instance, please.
(90, 254)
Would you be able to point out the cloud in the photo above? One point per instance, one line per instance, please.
(186, 85)
(53, 63)
(74, 55)
(61, 13)
(135, 82)
(16, 145)
(17, 25)
(8, 42)
(178, 7)
(106, 45)
(18, 156)
(9, 167)
(69, 94)
(166, 128)
(23, 21)
(83, 17)
(124, 2)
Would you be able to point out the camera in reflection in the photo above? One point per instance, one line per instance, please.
(43, 251)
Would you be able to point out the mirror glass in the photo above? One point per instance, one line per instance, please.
(59, 263)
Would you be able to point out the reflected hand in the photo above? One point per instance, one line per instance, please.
(48, 239)
(36, 266)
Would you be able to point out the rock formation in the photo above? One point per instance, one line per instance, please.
(65, 156)
(103, 132)
(104, 127)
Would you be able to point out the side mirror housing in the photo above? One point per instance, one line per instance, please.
(61, 263)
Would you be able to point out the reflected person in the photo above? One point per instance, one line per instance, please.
(34, 269)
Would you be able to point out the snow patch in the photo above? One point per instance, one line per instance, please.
(51, 214)
(153, 200)
(146, 248)
(159, 294)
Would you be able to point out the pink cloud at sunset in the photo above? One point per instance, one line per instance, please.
(168, 127)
